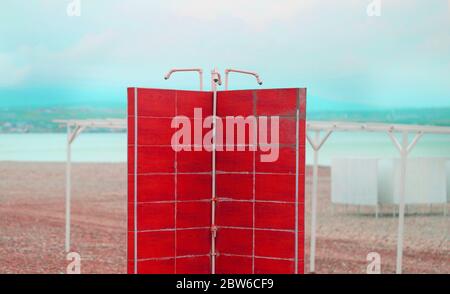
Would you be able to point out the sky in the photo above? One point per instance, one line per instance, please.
(347, 59)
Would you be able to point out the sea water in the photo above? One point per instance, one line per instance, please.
(88, 147)
(112, 147)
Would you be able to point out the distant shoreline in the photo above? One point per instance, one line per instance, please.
(40, 119)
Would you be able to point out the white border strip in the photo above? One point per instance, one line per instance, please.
(296, 181)
(135, 176)
(255, 138)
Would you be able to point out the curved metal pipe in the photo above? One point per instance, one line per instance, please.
(199, 70)
(227, 72)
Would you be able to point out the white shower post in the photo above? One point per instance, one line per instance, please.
(316, 144)
(68, 188)
(215, 80)
(71, 136)
(404, 149)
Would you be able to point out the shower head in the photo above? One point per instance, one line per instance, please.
(216, 77)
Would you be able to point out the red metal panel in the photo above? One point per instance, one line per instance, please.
(194, 265)
(232, 264)
(257, 203)
(162, 216)
(194, 214)
(275, 244)
(273, 266)
(226, 241)
(194, 186)
(284, 165)
(193, 242)
(235, 103)
(282, 102)
(234, 186)
(234, 161)
(157, 187)
(155, 244)
(256, 208)
(194, 162)
(156, 266)
(154, 131)
(154, 159)
(234, 214)
(188, 100)
(173, 219)
(275, 215)
(275, 187)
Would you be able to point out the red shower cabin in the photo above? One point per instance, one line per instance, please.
(258, 222)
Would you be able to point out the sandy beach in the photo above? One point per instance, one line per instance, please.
(32, 225)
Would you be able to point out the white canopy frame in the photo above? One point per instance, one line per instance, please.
(404, 147)
(74, 129)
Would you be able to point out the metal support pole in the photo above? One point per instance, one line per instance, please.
(226, 80)
(404, 148)
(200, 73)
(312, 257)
(68, 188)
(401, 214)
(71, 136)
(316, 144)
(215, 80)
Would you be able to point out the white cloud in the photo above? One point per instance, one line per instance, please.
(10, 73)
(92, 46)
(255, 13)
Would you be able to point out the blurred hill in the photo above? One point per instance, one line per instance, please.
(40, 120)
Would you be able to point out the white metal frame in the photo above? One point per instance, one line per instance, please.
(74, 129)
(404, 147)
